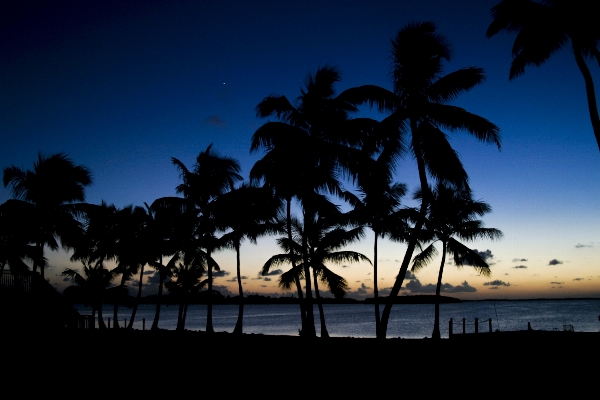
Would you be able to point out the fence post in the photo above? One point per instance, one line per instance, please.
(143, 324)
(450, 328)
(490, 321)
(476, 325)
(464, 325)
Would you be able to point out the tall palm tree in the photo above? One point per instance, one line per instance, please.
(542, 28)
(212, 176)
(49, 195)
(420, 112)
(453, 215)
(377, 206)
(246, 212)
(312, 144)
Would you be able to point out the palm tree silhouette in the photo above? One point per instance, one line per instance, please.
(452, 214)
(310, 145)
(377, 206)
(542, 28)
(419, 109)
(50, 195)
(212, 176)
(246, 212)
(187, 271)
(324, 240)
(94, 282)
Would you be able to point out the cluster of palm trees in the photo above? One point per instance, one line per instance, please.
(310, 148)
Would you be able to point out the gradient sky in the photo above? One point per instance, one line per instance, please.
(122, 87)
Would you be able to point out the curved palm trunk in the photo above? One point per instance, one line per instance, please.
(238, 325)
(412, 241)
(324, 333)
(375, 289)
(137, 299)
(158, 297)
(436, 321)
(209, 324)
(296, 279)
(591, 96)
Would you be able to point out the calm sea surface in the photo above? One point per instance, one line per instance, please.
(358, 320)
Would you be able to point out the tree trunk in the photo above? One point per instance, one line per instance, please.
(137, 299)
(375, 289)
(591, 95)
(436, 320)
(296, 279)
(238, 330)
(158, 297)
(324, 333)
(412, 241)
(310, 317)
(209, 324)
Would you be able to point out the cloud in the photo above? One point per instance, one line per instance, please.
(273, 272)
(554, 262)
(579, 245)
(415, 286)
(385, 291)
(497, 282)
(362, 290)
(234, 279)
(519, 260)
(556, 283)
(267, 279)
(215, 120)
(577, 279)
(408, 275)
(217, 274)
(520, 267)
(486, 255)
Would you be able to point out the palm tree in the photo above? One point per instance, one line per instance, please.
(542, 28)
(94, 282)
(212, 176)
(324, 237)
(187, 271)
(378, 207)
(246, 212)
(452, 214)
(311, 145)
(420, 110)
(49, 195)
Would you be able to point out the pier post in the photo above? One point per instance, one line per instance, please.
(490, 321)
(143, 324)
(464, 326)
(108, 323)
(476, 325)
(125, 324)
(450, 328)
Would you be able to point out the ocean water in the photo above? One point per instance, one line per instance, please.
(408, 321)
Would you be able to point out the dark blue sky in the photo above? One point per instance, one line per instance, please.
(123, 86)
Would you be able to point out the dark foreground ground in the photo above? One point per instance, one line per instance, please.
(190, 364)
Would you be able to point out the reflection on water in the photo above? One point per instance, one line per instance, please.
(358, 320)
